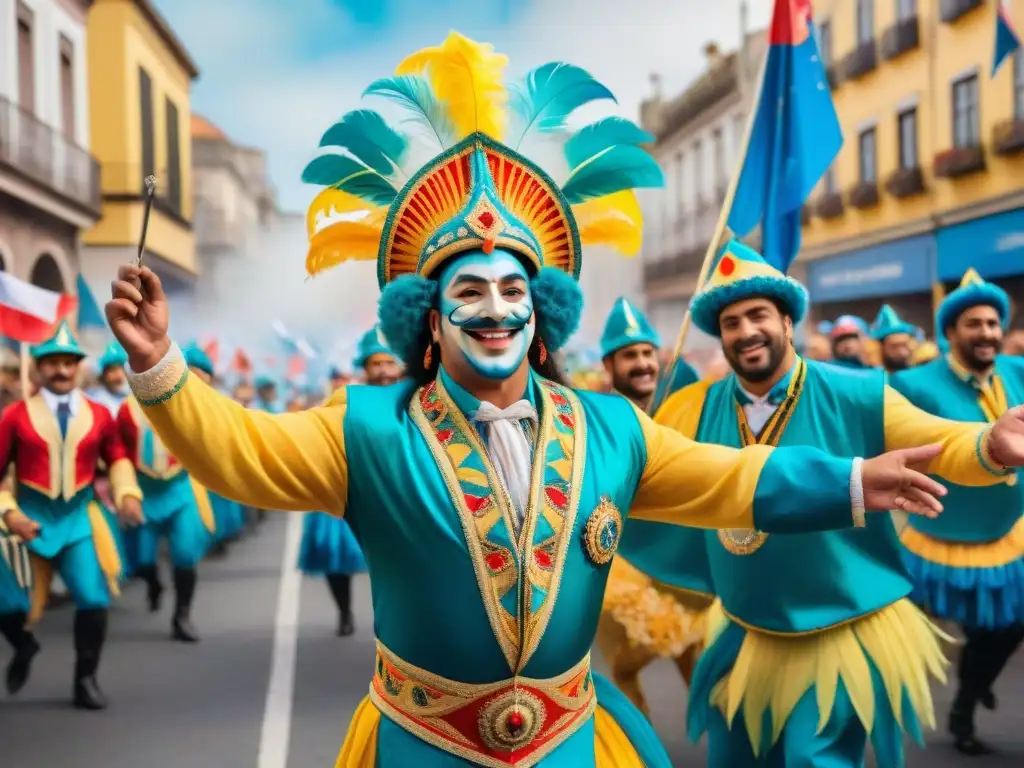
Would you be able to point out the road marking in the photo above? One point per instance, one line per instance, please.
(277, 714)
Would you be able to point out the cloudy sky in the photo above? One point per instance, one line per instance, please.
(277, 73)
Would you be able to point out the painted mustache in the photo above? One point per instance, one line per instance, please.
(471, 317)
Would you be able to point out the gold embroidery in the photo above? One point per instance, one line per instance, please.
(45, 424)
(79, 427)
(602, 532)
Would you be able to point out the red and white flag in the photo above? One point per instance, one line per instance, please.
(31, 314)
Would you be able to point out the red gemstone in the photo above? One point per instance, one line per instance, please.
(445, 435)
(727, 267)
(557, 399)
(486, 219)
(515, 722)
(567, 420)
(495, 561)
(476, 504)
(556, 497)
(543, 558)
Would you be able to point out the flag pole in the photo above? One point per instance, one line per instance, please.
(723, 219)
(25, 378)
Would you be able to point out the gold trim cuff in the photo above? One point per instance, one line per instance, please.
(161, 382)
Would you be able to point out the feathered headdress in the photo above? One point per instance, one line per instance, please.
(476, 191)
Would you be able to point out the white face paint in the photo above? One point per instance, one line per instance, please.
(486, 308)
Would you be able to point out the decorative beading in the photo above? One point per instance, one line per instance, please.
(160, 383)
(857, 493)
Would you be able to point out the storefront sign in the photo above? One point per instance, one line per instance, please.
(897, 267)
(993, 245)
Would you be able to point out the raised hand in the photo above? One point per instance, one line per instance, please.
(1006, 440)
(894, 481)
(138, 315)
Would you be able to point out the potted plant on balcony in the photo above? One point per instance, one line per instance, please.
(1008, 137)
(959, 161)
(905, 182)
(864, 194)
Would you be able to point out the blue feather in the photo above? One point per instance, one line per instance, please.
(602, 135)
(370, 140)
(415, 94)
(349, 176)
(550, 93)
(618, 168)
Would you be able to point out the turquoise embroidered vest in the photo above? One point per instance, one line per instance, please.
(972, 515)
(457, 591)
(809, 581)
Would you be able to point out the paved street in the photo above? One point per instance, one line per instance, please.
(177, 706)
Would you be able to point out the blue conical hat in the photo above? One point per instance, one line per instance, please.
(889, 323)
(973, 292)
(113, 356)
(372, 343)
(63, 342)
(626, 325)
(196, 357)
(741, 273)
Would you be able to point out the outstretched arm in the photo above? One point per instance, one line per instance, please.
(293, 461)
(965, 459)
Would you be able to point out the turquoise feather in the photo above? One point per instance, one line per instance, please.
(549, 94)
(366, 135)
(603, 135)
(414, 93)
(350, 176)
(617, 168)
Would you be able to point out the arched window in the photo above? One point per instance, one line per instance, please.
(46, 274)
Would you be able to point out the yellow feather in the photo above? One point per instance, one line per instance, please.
(468, 77)
(333, 201)
(613, 220)
(826, 682)
(856, 677)
(346, 241)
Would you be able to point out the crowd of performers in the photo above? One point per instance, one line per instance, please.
(94, 497)
(507, 520)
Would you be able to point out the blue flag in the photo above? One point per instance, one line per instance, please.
(89, 313)
(1007, 39)
(795, 137)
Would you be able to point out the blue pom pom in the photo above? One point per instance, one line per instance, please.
(404, 304)
(558, 304)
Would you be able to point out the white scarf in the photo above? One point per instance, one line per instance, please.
(509, 449)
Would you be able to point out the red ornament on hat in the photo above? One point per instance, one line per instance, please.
(727, 266)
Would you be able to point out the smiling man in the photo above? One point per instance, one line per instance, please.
(489, 498)
(817, 636)
(970, 568)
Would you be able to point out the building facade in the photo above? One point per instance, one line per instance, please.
(698, 138)
(49, 182)
(140, 79)
(930, 180)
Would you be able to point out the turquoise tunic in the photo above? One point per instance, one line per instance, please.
(170, 510)
(983, 596)
(414, 515)
(13, 596)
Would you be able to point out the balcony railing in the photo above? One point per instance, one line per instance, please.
(951, 10)
(905, 182)
(45, 155)
(834, 73)
(959, 161)
(1008, 137)
(864, 194)
(861, 60)
(830, 205)
(901, 37)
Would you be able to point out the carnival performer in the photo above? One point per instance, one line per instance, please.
(328, 547)
(174, 509)
(817, 648)
(847, 337)
(15, 583)
(112, 388)
(487, 558)
(896, 339)
(970, 568)
(55, 439)
(267, 396)
(644, 619)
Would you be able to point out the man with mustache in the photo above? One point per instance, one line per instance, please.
(55, 439)
(489, 497)
(816, 648)
(643, 619)
(847, 336)
(172, 509)
(970, 569)
(896, 339)
(328, 547)
(113, 385)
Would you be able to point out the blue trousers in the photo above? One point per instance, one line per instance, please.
(80, 570)
(841, 744)
(185, 534)
(13, 599)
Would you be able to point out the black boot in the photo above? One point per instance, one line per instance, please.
(90, 632)
(154, 589)
(340, 585)
(182, 629)
(25, 647)
(977, 670)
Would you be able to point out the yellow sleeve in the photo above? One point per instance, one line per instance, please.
(290, 461)
(964, 459)
(123, 482)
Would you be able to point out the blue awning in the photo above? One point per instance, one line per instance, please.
(993, 245)
(896, 267)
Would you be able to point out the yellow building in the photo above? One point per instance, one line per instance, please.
(140, 77)
(930, 179)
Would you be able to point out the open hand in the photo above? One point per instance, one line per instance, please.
(138, 315)
(894, 481)
(21, 525)
(131, 512)
(1006, 440)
